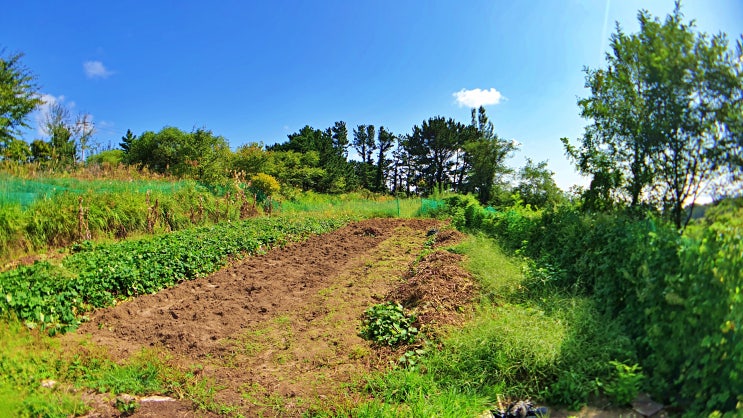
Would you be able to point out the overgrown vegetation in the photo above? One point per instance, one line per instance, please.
(677, 297)
(528, 339)
(54, 212)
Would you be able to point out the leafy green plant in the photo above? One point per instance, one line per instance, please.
(643, 277)
(625, 383)
(411, 358)
(126, 405)
(387, 324)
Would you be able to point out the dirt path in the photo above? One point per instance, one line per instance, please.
(275, 334)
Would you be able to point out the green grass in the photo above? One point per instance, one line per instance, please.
(26, 359)
(365, 206)
(25, 192)
(499, 275)
(29, 357)
(526, 340)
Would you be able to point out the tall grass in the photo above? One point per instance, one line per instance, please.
(41, 211)
(362, 205)
(111, 209)
(69, 217)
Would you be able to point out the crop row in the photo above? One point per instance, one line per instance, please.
(57, 296)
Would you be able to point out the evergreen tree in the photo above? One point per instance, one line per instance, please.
(432, 147)
(126, 141)
(385, 141)
(364, 143)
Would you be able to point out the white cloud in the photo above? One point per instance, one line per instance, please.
(478, 97)
(96, 69)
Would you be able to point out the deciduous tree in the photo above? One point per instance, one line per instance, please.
(198, 154)
(666, 115)
(536, 186)
(58, 127)
(19, 95)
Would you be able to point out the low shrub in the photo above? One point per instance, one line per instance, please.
(388, 324)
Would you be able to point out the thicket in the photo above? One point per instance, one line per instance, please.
(56, 296)
(677, 297)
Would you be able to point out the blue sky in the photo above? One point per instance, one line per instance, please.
(257, 71)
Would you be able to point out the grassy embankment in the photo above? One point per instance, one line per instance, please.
(43, 213)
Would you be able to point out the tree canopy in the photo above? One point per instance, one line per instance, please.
(19, 96)
(666, 116)
(197, 154)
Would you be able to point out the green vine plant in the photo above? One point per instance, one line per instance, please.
(387, 324)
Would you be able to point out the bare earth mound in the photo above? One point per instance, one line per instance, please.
(276, 334)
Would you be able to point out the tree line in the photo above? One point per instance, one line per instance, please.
(440, 154)
(665, 125)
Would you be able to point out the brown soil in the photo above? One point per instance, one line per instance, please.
(276, 334)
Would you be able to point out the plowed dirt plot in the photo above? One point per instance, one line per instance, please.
(276, 334)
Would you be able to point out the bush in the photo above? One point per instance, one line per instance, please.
(677, 297)
(265, 184)
(387, 324)
(624, 386)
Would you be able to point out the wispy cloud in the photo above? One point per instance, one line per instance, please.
(96, 69)
(478, 97)
(42, 113)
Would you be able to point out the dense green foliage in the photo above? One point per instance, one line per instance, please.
(439, 155)
(96, 275)
(198, 154)
(666, 116)
(678, 298)
(36, 215)
(18, 97)
(311, 159)
(387, 324)
(536, 186)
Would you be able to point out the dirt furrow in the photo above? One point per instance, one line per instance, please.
(276, 333)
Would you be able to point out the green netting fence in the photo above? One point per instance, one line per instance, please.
(24, 192)
(431, 205)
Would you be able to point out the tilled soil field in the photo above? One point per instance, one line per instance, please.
(277, 334)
